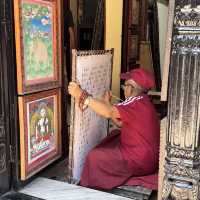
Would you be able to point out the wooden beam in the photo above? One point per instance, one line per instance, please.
(166, 65)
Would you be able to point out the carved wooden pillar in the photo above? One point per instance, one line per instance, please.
(5, 64)
(8, 100)
(182, 169)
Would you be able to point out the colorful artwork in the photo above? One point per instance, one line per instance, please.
(38, 44)
(39, 131)
(38, 40)
(41, 134)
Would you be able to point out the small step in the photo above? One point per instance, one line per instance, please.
(133, 192)
(48, 189)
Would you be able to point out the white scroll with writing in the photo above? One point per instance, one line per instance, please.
(93, 71)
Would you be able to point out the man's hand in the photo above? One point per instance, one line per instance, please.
(107, 97)
(75, 90)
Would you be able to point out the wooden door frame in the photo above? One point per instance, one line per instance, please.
(7, 63)
(7, 52)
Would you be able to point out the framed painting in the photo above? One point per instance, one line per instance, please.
(38, 44)
(40, 119)
(131, 34)
(93, 71)
(133, 48)
(134, 16)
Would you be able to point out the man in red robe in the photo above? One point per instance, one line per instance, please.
(132, 151)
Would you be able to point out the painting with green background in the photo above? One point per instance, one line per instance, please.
(37, 41)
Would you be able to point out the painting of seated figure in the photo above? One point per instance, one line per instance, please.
(41, 127)
(38, 45)
(39, 131)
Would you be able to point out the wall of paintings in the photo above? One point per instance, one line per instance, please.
(38, 54)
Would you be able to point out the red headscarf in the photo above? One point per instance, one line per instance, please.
(142, 77)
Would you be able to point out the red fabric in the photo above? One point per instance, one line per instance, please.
(129, 156)
(142, 77)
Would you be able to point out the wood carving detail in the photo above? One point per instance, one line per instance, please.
(186, 43)
(2, 132)
(179, 190)
(183, 153)
(182, 168)
(187, 15)
(2, 158)
(4, 10)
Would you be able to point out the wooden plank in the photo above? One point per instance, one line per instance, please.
(163, 153)
(22, 135)
(146, 61)
(132, 192)
(164, 88)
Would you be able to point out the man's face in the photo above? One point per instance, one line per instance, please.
(128, 89)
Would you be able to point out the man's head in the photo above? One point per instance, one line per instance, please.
(137, 81)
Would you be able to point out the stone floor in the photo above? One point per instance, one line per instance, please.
(59, 172)
(56, 190)
(21, 196)
(53, 185)
(18, 196)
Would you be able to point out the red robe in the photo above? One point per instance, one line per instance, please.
(129, 156)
